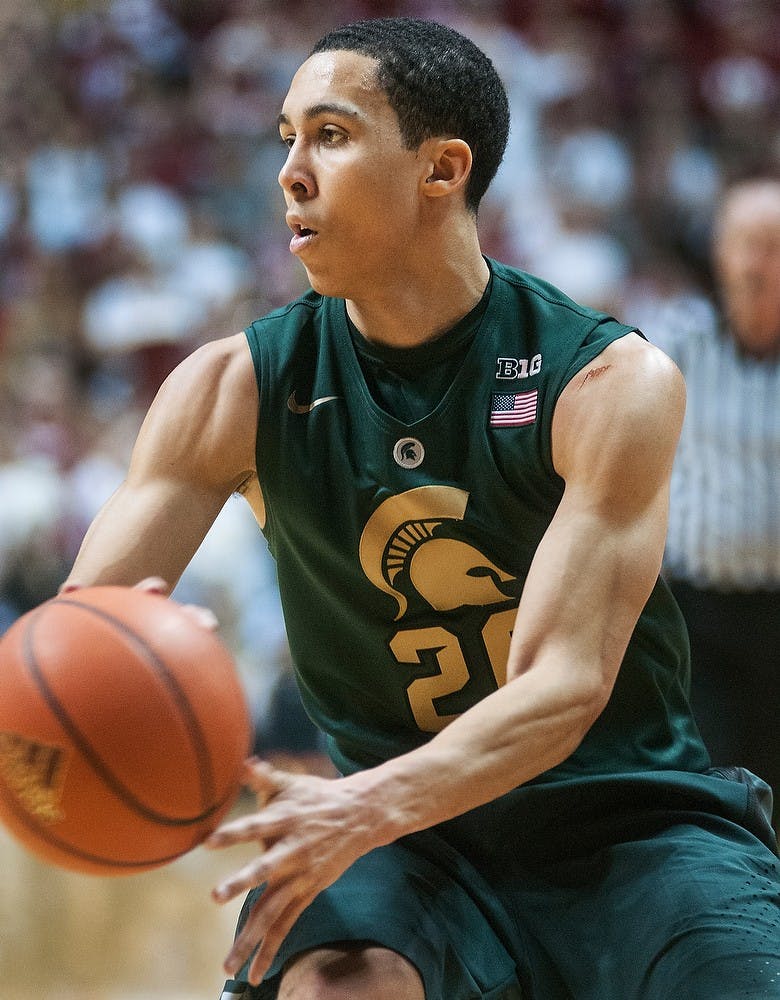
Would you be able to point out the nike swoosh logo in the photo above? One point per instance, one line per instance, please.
(295, 407)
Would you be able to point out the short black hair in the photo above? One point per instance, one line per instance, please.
(439, 83)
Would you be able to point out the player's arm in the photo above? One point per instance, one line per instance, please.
(615, 432)
(196, 446)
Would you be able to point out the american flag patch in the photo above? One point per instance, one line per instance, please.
(513, 409)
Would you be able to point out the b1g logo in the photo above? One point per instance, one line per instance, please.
(456, 608)
(518, 367)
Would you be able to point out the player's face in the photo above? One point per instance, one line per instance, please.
(748, 254)
(352, 189)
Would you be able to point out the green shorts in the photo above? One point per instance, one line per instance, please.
(690, 908)
(438, 914)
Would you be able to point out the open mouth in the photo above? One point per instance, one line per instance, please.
(302, 237)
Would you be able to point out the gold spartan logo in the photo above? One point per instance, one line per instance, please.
(446, 572)
(35, 773)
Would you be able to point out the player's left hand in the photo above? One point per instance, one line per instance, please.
(204, 617)
(310, 830)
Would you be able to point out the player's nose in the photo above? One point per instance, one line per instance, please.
(295, 177)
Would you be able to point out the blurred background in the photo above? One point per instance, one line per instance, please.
(140, 216)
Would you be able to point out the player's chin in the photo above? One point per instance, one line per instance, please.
(329, 279)
(325, 284)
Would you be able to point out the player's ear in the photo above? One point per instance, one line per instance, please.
(448, 167)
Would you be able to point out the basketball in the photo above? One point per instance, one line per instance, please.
(123, 731)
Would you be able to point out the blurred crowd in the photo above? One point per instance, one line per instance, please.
(140, 216)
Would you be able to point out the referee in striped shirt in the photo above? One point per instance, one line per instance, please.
(723, 549)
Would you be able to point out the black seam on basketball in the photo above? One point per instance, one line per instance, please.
(95, 859)
(191, 721)
(88, 751)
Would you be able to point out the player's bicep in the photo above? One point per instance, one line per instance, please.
(146, 528)
(199, 431)
(614, 437)
(195, 447)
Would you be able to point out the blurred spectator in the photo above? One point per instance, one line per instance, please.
(66, 196)
(723, 551)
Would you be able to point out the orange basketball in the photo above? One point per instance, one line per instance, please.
(123, 730)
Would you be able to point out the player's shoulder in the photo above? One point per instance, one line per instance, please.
(622, 411)
(201, 423)
(213, 387)
(292, 314)
(631, 379)
(645, 362)
(641, 363)
(214, 363)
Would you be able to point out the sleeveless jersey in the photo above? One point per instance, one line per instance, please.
(402, 549)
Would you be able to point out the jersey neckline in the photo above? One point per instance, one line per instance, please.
(425, 352)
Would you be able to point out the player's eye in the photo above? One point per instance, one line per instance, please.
(331, 136)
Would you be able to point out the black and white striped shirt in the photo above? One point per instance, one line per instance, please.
(724, 524)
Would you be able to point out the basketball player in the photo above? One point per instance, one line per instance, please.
(463, 477)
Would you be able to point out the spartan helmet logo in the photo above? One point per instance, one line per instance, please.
(403, 535)
(408, 453)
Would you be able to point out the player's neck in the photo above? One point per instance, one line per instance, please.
(421, 303)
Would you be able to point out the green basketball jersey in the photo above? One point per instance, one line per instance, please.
(402, 548)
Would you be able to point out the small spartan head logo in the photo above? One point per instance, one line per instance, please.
(408, 453)
(35, 773)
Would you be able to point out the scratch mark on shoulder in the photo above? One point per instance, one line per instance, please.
(594, 373)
